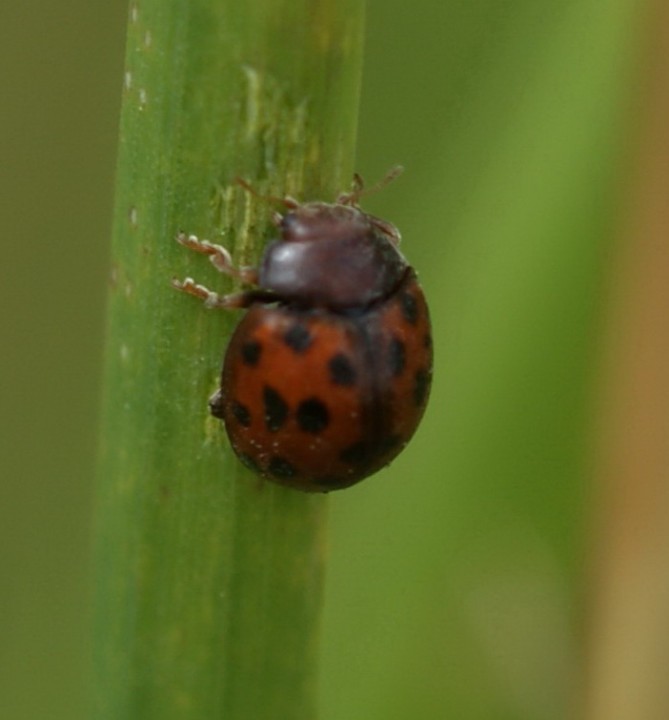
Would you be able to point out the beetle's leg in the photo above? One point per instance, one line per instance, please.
(216, 405)
(233, 301)
(220, 258)
(210, 298)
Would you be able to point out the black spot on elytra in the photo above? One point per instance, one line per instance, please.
(389, 443)
(361, 454)
(356, 454)
(276, 409)
(312, 416)
(342, 371)
(251, 352)
(421, 384)
(298, 338)
(281, 468)
(241, 413)
(397, 357)
(249, 462)
(427, 340)
(409, 307)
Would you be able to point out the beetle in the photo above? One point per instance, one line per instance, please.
(327, 375)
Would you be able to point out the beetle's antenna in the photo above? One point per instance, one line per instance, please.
(359, 190)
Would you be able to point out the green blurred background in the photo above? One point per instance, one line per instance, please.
(456, 584)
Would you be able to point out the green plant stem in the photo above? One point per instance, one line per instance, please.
(209, 580)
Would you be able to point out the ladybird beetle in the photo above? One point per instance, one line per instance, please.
(327, 375)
